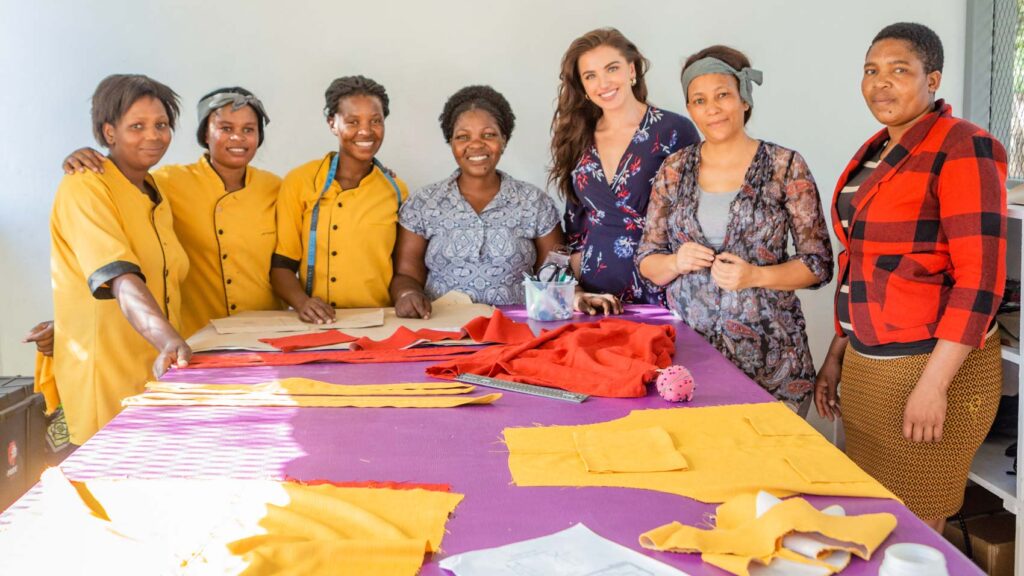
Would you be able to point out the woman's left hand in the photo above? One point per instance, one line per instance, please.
(925, 413)
(591, 303)
(731, 272)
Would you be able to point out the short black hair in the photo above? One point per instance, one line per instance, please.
(353, 86)
(922, 39)
(205, 120)
(116, 93)
(477, 98)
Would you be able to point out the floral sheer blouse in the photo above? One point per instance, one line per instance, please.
(762, 331)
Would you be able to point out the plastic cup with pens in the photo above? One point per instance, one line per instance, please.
(549, 294)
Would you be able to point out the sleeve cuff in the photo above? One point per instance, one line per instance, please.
(279, 261)
(820, 266)
(99, 281)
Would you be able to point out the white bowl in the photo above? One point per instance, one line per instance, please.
(913, 560)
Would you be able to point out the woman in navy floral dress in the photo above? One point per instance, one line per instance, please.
(608, 144)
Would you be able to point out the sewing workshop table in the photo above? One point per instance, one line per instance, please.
(458, 446)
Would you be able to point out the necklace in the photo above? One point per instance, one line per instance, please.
(889, 144)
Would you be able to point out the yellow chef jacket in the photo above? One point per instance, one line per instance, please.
(356, 233)
(229, 238)
(101, 227)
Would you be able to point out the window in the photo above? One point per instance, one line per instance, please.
(994, 79)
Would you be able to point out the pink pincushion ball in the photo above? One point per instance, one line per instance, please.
(675, 384)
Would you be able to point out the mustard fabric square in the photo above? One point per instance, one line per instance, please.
(640, 450)
(725, 456)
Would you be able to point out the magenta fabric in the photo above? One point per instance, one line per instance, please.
(456, 446)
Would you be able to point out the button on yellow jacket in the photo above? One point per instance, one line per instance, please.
(356, 234)
(229, 238)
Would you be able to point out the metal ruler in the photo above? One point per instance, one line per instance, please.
(542, 391)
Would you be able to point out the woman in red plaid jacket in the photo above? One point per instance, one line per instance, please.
(920, 212)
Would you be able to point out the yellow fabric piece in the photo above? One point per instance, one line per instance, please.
(278, 400)
(725, 455)
(235, 527)
(229, 238)
(740, 537)
(775, 424)
(307, 386)
(356, 232)
(336, 558)
(741, 566)
(102, 226)
(642, 450)
(45, 383)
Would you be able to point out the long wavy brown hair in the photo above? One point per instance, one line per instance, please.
(572, 128)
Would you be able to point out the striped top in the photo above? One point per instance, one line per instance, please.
(844, 207)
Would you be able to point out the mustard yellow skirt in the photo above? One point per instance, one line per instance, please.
(928, 477)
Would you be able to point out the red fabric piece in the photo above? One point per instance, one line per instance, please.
(611, 358)
(404, 338)
(244, 359)
(497, 329)
(308, 340)
(389, 484)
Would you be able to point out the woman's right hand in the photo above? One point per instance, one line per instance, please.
(692, 256)
(42, 335)
(826, 385)
(316, 311)
(412, 304)
(176, 353)
(84, 159)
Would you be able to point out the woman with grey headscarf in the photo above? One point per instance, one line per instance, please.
(223, 209)
(718, 225)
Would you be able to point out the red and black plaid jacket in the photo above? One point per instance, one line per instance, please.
(925, 256)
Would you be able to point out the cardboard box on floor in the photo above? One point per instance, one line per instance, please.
(991, 530)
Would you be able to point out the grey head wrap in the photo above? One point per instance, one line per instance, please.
(711, 65)
(235, 99)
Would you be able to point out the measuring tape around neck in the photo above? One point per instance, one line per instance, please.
(315, 217)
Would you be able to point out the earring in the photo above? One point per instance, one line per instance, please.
(632, 81)
(587, 96)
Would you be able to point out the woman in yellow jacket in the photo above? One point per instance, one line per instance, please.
(223, 209)
(337, 216)
(116, 264)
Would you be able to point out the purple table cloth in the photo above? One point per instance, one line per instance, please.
(459, 446)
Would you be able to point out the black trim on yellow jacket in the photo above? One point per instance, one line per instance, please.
(279, 261)
(99, 281)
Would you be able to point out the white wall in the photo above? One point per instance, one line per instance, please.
(53, 53)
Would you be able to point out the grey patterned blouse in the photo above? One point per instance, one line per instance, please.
(485, 254)
(761, 331)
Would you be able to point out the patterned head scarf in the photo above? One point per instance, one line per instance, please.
(235, 99)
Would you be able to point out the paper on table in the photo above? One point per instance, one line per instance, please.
(449, 312)
(576, 551)
(274, 321)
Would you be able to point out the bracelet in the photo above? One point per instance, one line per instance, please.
(408, 292)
